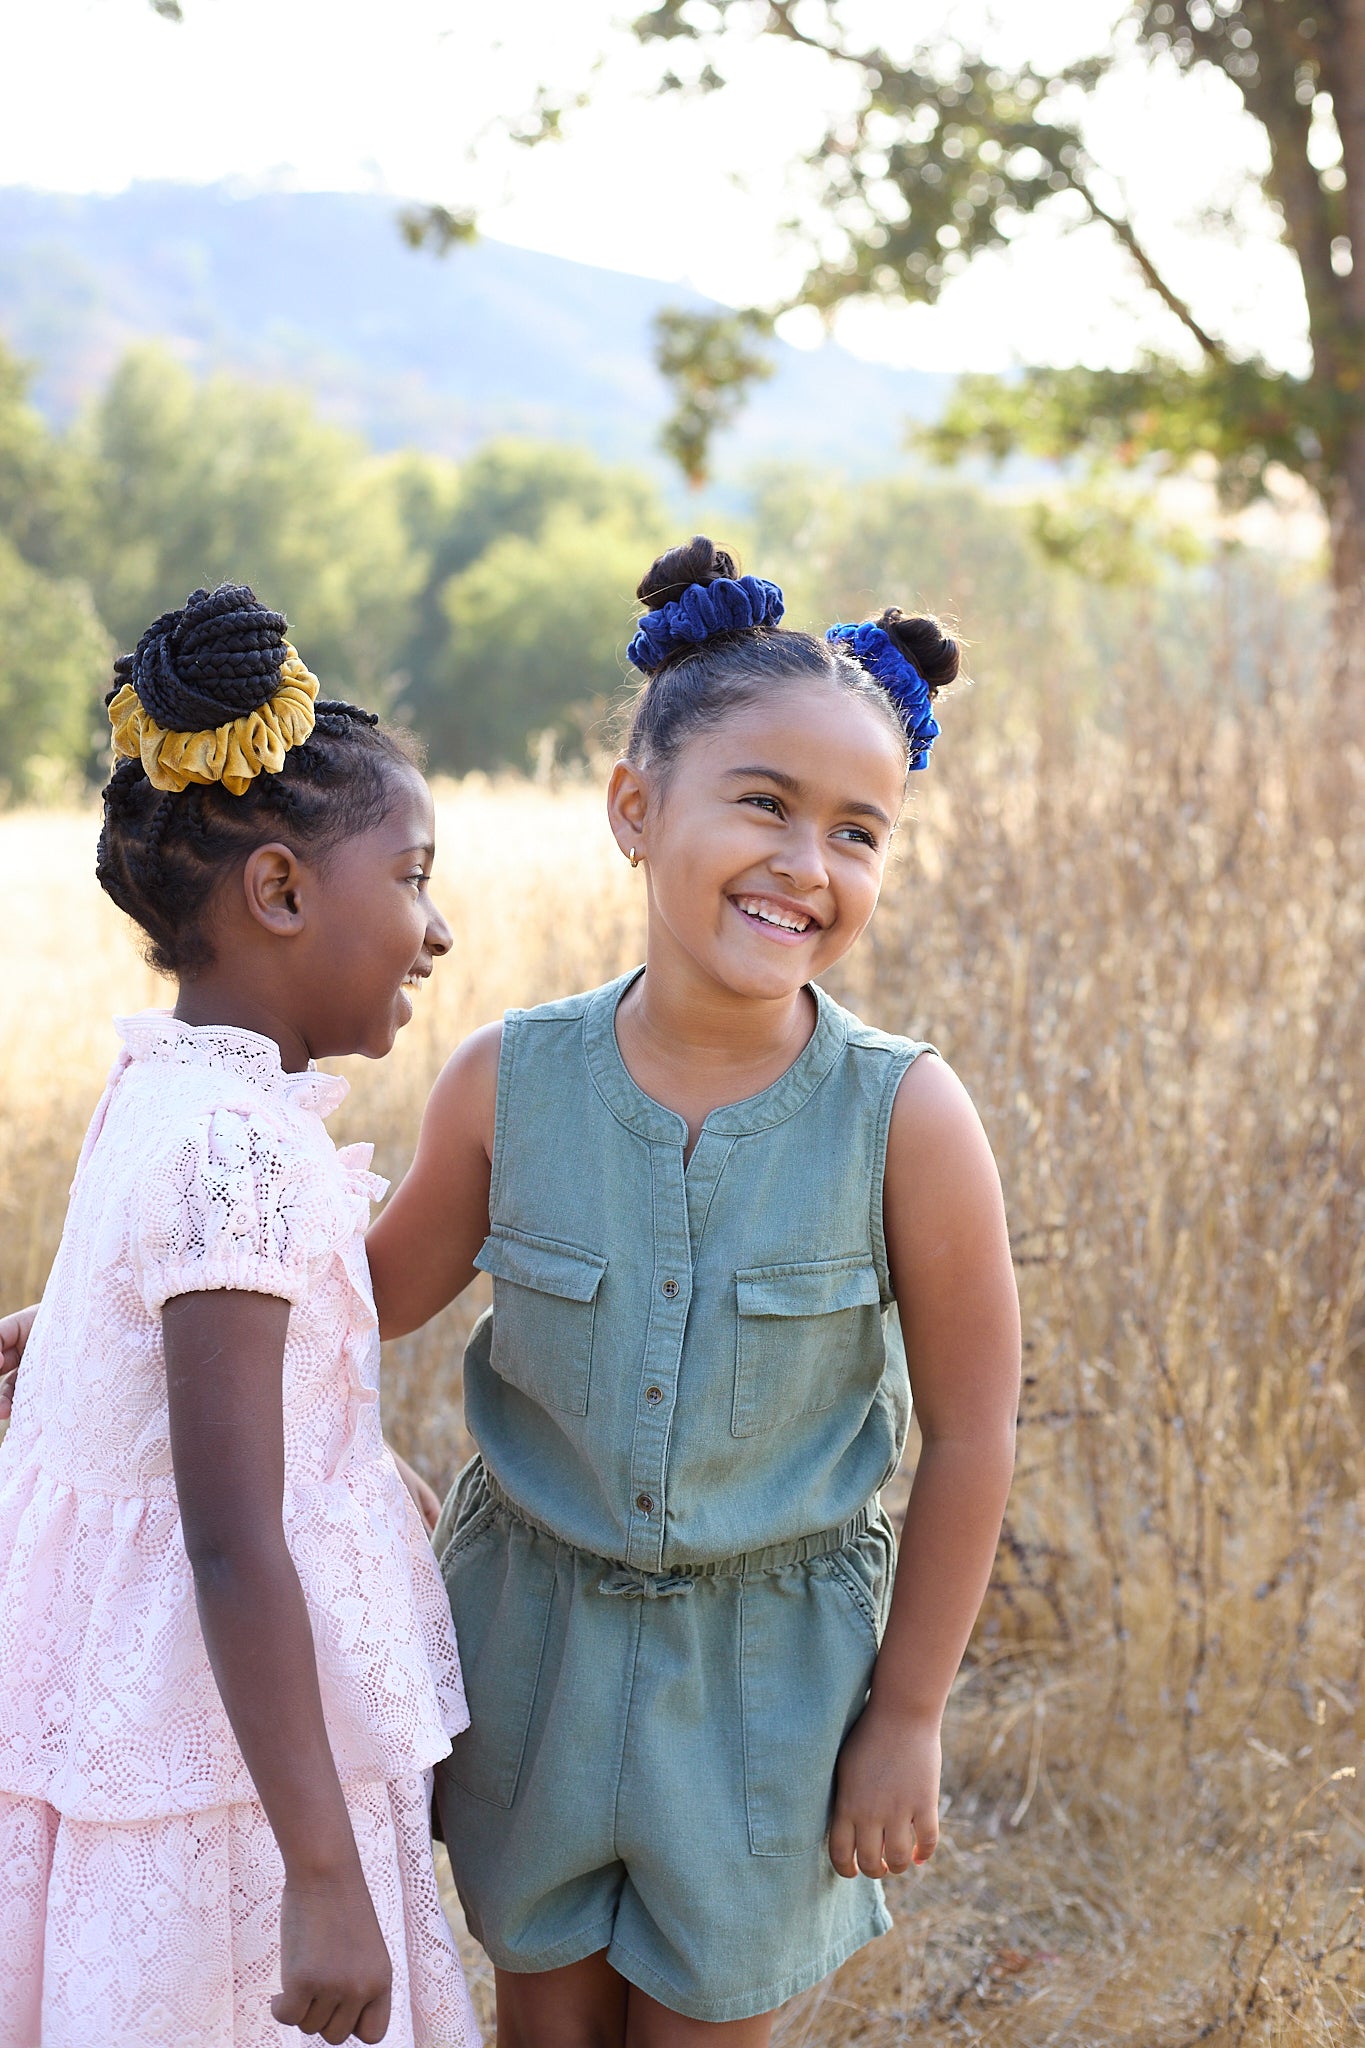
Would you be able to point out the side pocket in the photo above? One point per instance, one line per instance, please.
(544, 1308)
(807, 1649)
(500, 1581)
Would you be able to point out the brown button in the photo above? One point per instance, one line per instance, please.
(645, 1503)
(654, 1395)
(669, 1289)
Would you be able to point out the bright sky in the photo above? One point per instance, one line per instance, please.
(397, 96)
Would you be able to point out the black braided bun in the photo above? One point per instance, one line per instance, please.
(214, 660)
(164, 854)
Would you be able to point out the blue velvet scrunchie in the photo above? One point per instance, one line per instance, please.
(725, 606)
(874, 650)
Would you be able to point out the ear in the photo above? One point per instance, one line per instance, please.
(629, 801)
(272, 886)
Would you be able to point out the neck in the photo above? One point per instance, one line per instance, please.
(681, 1014)
(208, 999)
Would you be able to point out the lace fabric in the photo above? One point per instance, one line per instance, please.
(206, 1166)
(165, 1933)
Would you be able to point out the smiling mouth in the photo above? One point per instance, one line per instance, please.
(761, 910)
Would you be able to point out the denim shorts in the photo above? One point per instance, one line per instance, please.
(650, 1761)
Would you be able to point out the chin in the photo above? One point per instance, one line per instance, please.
(767, 983)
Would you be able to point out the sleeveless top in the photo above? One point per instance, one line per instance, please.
(206, 1166)
(687, 1363)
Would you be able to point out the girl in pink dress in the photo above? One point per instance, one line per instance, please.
(226, 1660)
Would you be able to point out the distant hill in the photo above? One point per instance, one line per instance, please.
(318, 289)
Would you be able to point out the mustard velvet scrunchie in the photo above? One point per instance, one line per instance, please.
(233, 754)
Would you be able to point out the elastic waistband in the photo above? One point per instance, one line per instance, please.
(627, 1579)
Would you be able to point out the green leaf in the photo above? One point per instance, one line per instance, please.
(438, 228)
(710, 362)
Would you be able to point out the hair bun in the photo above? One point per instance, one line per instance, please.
(923, 640)
(699, 561)
(216, 658)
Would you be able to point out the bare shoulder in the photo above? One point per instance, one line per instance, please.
(463, 1101)
(938, 1158)
(933, 1108)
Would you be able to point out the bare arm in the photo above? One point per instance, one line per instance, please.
(14, 1331)
(421, 1247)
(224, 1369)
(951, 1268)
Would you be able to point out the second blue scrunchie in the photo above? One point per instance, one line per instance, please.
(725, 606)
(874, 650)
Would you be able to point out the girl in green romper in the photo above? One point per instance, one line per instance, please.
(701, 1192)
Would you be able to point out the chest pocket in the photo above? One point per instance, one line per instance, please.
(799, 1327)
(544, 1307)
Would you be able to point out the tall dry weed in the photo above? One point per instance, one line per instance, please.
(1142, 950)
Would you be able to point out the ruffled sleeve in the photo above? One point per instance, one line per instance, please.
(233, 1203)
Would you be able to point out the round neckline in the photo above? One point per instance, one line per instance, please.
(641, 1113)
(156, 1035)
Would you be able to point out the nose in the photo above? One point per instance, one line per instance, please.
(800, 858)
(440, 938)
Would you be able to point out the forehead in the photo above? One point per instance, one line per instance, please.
(409, 819)
(826, 737)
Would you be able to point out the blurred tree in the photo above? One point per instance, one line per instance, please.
(942, 155)
(194, 484)
(54, 653)
(578, 533)
(843, 551)
(54, 662)
(538, 626)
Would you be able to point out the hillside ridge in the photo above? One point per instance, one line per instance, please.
(318, 289)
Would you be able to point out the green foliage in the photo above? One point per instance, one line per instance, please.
(54, 660)
(845, 552)
(711, 361)
(486, 604)
(527, 600)
(943, 154)
(1242, 416)
(538, 630)
(1113, 540)
(438, 228)
(200, 483)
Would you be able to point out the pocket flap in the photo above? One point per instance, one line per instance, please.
(816, 1289)
(544, 1264)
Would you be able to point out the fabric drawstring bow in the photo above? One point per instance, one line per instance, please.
(625, 1583)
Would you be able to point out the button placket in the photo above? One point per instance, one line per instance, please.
(648, 1491)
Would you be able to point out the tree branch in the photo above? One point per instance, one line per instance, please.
(1124, 231)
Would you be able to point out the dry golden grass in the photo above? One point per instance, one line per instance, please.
(1143, 953)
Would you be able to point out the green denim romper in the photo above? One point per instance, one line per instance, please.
(668, 1567)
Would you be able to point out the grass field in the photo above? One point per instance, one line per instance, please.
(1142, 949)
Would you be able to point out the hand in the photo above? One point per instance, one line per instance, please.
(13, 1337)
(336, 1970)
(427, 1499)
(886, 1795)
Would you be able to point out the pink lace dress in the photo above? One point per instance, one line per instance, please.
(139, 1879)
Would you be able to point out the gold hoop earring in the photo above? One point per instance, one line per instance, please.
(634, 858)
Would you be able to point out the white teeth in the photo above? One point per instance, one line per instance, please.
(768, 913)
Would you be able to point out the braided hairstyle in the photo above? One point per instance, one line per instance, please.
(698, 683)
(163, 853)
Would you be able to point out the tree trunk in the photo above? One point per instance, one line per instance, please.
(1347, 516)
(1344, 76)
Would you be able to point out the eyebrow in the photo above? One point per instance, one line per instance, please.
(853, 808)
(428, 848)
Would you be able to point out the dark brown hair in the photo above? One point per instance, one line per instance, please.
(696, 685)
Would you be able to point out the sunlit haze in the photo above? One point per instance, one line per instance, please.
(399, 97)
